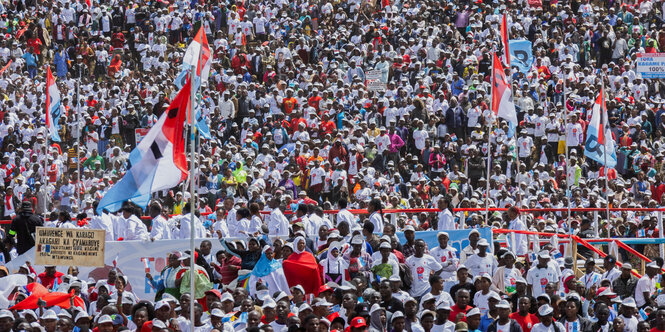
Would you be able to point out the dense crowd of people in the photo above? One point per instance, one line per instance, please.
(327, 105)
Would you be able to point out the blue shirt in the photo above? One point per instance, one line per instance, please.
(29, 60)
(485, 321)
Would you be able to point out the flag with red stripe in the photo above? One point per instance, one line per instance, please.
(599, 144)
(502, 97)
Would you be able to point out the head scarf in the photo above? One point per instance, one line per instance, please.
(265, 266)
(375, 319)
(295, 244)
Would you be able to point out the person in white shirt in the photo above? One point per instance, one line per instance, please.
(446, 256)
(344, 214)
(278, 225)
(185, 229)
(480, 262)
(219, 227)
(520, 242)
(590, 278)
(422, 266)
(541, 274)
(375, 211)
(526, 145)
(130, 227)
(104, 222)
(160, 229)
(611, 271)
(574, 134)
(547, 324)
(446, 219)
(646, 286)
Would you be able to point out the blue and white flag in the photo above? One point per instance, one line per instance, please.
(158, 162)
(521, 55)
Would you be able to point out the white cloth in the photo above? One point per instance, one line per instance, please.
(160, 229)
(185, 228)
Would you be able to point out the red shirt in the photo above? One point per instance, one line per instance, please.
(327, 127)
(47, 281)
(229, 274)
(454, 310)
(314, 102)
(526, 322)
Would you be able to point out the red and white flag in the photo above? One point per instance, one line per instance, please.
(502, 96)
(504, 40)
(198, 55)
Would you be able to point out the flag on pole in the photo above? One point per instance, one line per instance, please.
(198, 55)
(502, 96)
(52, 106)
(521, 54)
(201, 124)
(504, 40)
(598, 136)
(158, 162)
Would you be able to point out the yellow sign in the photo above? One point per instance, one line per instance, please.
(69, 246)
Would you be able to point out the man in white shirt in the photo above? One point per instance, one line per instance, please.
(130, 227)
(422, 266)
(185, 228)
(104, 222)
(446, 256)
(547, 324)
(520, 242)
(526, 146)
(344, 214)
(574, 134)
(590, 278)
(541, 274)
(628, 308)
(646, 286)
(611, 271)
(481, 262)
(278, 225)
(160, 227)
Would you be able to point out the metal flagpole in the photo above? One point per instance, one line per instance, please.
(565, 131)
(78, 140)
(192, 176)
(191, 203)
(489, 153)
(603, 116)
(46, 149)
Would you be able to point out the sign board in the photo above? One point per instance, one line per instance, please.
(373, 81)
(650, 65)
(68, 246)
(140, 133)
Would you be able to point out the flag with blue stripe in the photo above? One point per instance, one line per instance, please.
(158, 162)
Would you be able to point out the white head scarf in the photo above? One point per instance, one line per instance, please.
(295, 244)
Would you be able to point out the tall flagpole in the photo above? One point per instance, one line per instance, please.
(192, 176)
(565, 131)
(46, 134)
(78, 141)
(603, 116)
(489, 148)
